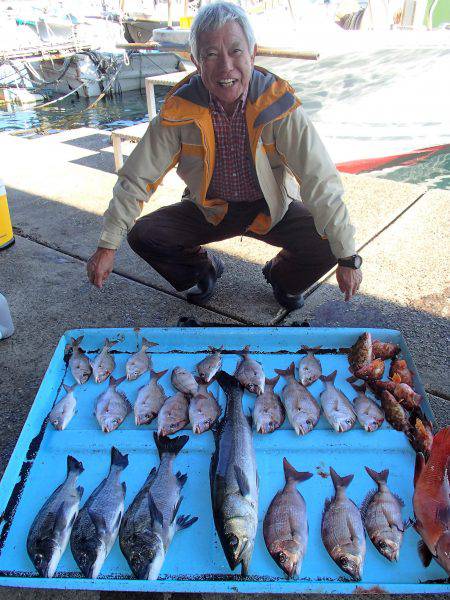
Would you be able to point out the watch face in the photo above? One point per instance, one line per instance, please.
(357, 261)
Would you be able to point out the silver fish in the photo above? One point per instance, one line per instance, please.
(150, 399)
(63, 411)
(250, 373)
(79, 363)
(309, 368)
(285, 524)
(268, 412)
(382, 516)
(103, 364)
(342, 529)
(112, 406)
(150, 522)
(302, 408)
(49, 534)
(173, 414)
(139, 362)
(210, 365)
(184, 381)
(368, 412)
(204, 409)
(337, 408)
(97, 525)
(234, 480)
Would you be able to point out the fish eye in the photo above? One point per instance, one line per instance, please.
(382, 545)
(234, 541)
(308, 422)
(282, 557)
(344, 561)
(348, 421)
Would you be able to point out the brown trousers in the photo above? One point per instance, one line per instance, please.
(170, 238)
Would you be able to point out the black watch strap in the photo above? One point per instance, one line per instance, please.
(354, 262)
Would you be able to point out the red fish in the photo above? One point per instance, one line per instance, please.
(374, 370)
(421, 432)
(360, 353)
(384, 350)
(400, 368)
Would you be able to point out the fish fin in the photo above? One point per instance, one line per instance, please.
(80, 490)
(74, 465)
(155, 513)
(99, 522)
(150, 476)
(118, 521)
(245, 350)
(157, 374)
(249, 418)
(419, 466)
(424, 553)
(124, 488)
(118, 459)
(310, 348)
(110, 343)
(185, 521)
(243, 483)
(182, 478)
(291, 473)
(77, 341)
(147, 344)
(214, 350)
(365, 503)
(273, 382)
(176, 508)
(443, 515)
(69, 388)
(331, 377)
(399, 500)
(339, 481)
(380, 477)
(166, 445)
(407, 523)
(290, 371)
(113, 382)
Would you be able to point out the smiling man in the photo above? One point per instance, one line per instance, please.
(253, 165)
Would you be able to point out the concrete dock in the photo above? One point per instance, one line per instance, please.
(58, 187)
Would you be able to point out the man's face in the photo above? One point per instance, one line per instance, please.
(225, 63)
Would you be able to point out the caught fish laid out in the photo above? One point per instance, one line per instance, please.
(79, 364)
(368, 413)
(361, 353)
(173, 415)
(140, 362)
(302, 408)
(420, 434)
(234, 479)
(50, 532)
(184, 381)
(285, 525)
(384, 350)
(204, 410)
(151, 521)
(402, 392)
(250, 373)
(336, 406)
(431, 501)
(64, 410)
(373, 370)
(400, 373)
(342, 529)
(112, 406)
(104, 364)
(395, 414)
(150, 399)
(309, 368)
(268, 412)
(210, 365)
(97, 524)
(382, 516)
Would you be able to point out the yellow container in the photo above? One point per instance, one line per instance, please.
(6, 232)
(186, 22)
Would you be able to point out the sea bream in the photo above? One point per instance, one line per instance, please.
(79, 363)
(150, 399)
(112, 406)
(250, 373)
(184, 381)
(309, 368)
(234, 479)
(204, 410)
(140, 362)
(103, 364)
(173, 415)
(268, 412)
(151, 521)
(342, 529)
(50, 532)
(97, 524)
(369, 414)
(336, 406)
(285, 525)
(302, 408)
(210, 365)
(64, 410)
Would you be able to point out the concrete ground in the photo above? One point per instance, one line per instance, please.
(59, 186)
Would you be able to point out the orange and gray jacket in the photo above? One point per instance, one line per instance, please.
(289, 158)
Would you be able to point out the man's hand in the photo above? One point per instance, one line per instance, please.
(100, 265)
(348, 280)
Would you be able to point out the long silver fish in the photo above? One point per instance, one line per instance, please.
(139, 362)
(63, 411)
(50, 532)
(97, 525)
(204, 410)
(382, 516)
(309, 368)
(173, 415)
(150, 399)
(184, 381)
(342, 529)
(368, 412)
(79, 363)
(103, 364)
(111, 407)
(268, 412)
(302, 408)
(234, 479)
(150, 522)
(210, 365)
(250, 373)
(285, 524)
(337, 408)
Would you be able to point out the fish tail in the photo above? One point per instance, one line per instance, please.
(110, 343)
(157, 374)
(272, 382)
(147, 344)
(339, 481)
(166, 445)
(216, 350)
(380, 477)
(118, 459)
(74, 465)
(310, 348)
(69, 388)
(77, 341)
(358, 388)
(245, 350)
(227, 382)
(291, 474)
(115, 382)
(286, 372)
(331, 377)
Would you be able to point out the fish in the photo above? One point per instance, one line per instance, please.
(173, 415)
(373, 370)
(342, 529)
(250, 373)
(103, 364)
(402, 392)
(268, 412)
(234, 479)
(309, 368)
(384, 350)
(431, 501)
(150, 399)
(405, 375)
(285, 526)
(395, 414)
(301, 407)
(79, 363)
(360, 353)
(204, 410)
(184, 382)
(139, 362)
(50, 531)
(111, 407)
(97, 524)
(63, 411)
(420, 434)
(210, 365)
(382, 517)
(151, 521)
(368, 413)
(336, 406)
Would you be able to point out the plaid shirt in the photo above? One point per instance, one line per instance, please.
(233, 179)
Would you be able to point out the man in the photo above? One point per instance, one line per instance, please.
(243, 145)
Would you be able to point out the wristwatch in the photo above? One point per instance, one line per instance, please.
(354, 262)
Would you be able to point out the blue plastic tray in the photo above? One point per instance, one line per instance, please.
(195, 561)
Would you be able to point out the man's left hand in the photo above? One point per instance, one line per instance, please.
(348, 280)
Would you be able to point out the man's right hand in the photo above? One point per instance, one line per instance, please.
(100, 265)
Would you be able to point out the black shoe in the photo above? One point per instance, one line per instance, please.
(288, 301)
(204, 289)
